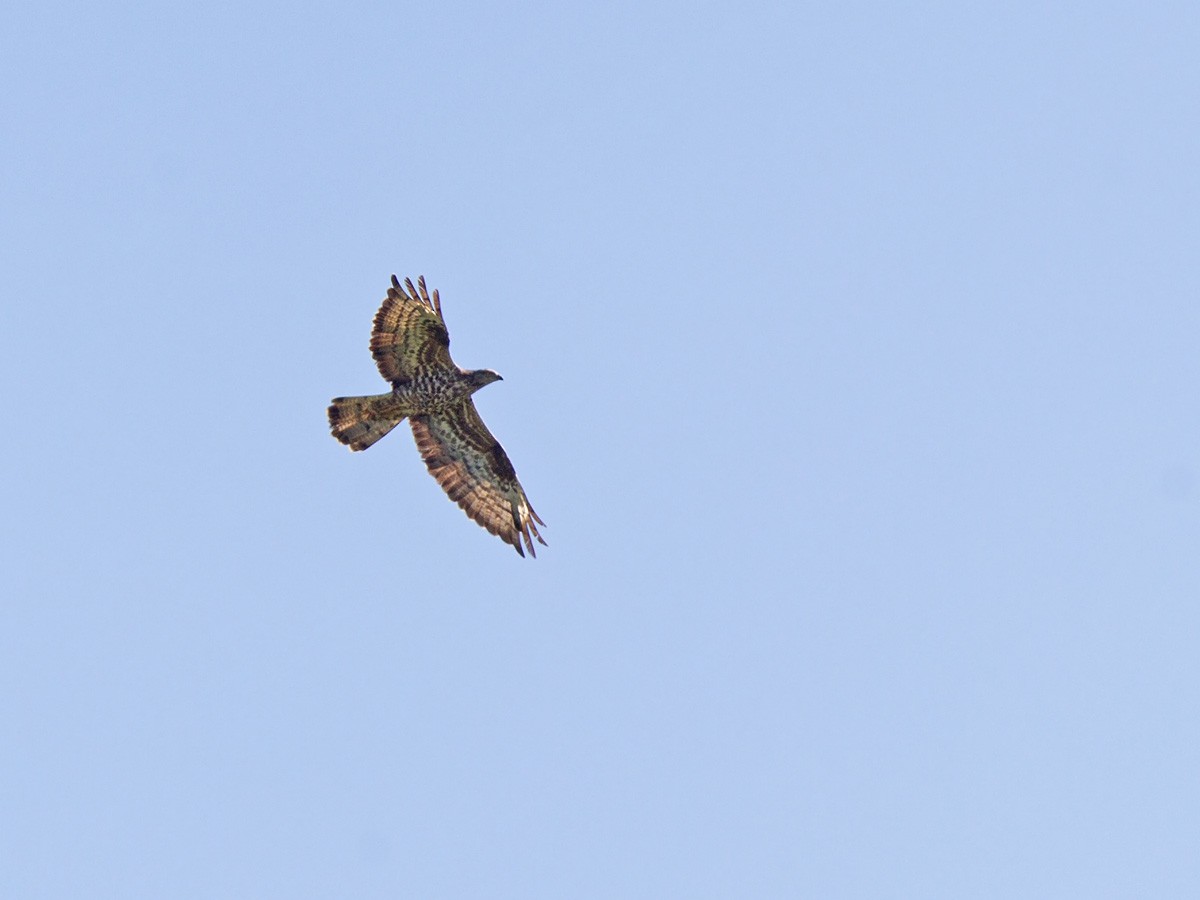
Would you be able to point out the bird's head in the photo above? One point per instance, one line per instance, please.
(483, 377)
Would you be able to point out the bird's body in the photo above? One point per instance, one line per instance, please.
(430, 395)
(411, 348)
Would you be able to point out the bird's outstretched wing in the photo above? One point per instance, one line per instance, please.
(409, 335)
(475, 472)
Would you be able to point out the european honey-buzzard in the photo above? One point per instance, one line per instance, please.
(411, 347)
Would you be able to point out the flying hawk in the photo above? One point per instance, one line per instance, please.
(412, 349)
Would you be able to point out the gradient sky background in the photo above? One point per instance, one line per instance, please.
(850, 353)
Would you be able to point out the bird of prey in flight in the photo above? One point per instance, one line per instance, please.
(411, 347)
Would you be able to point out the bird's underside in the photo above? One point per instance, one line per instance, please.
(410, 345)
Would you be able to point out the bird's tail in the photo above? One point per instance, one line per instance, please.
(360, 421)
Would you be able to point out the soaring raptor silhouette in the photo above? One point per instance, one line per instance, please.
(412, 349)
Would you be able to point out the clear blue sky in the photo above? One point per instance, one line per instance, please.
(850, 352)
